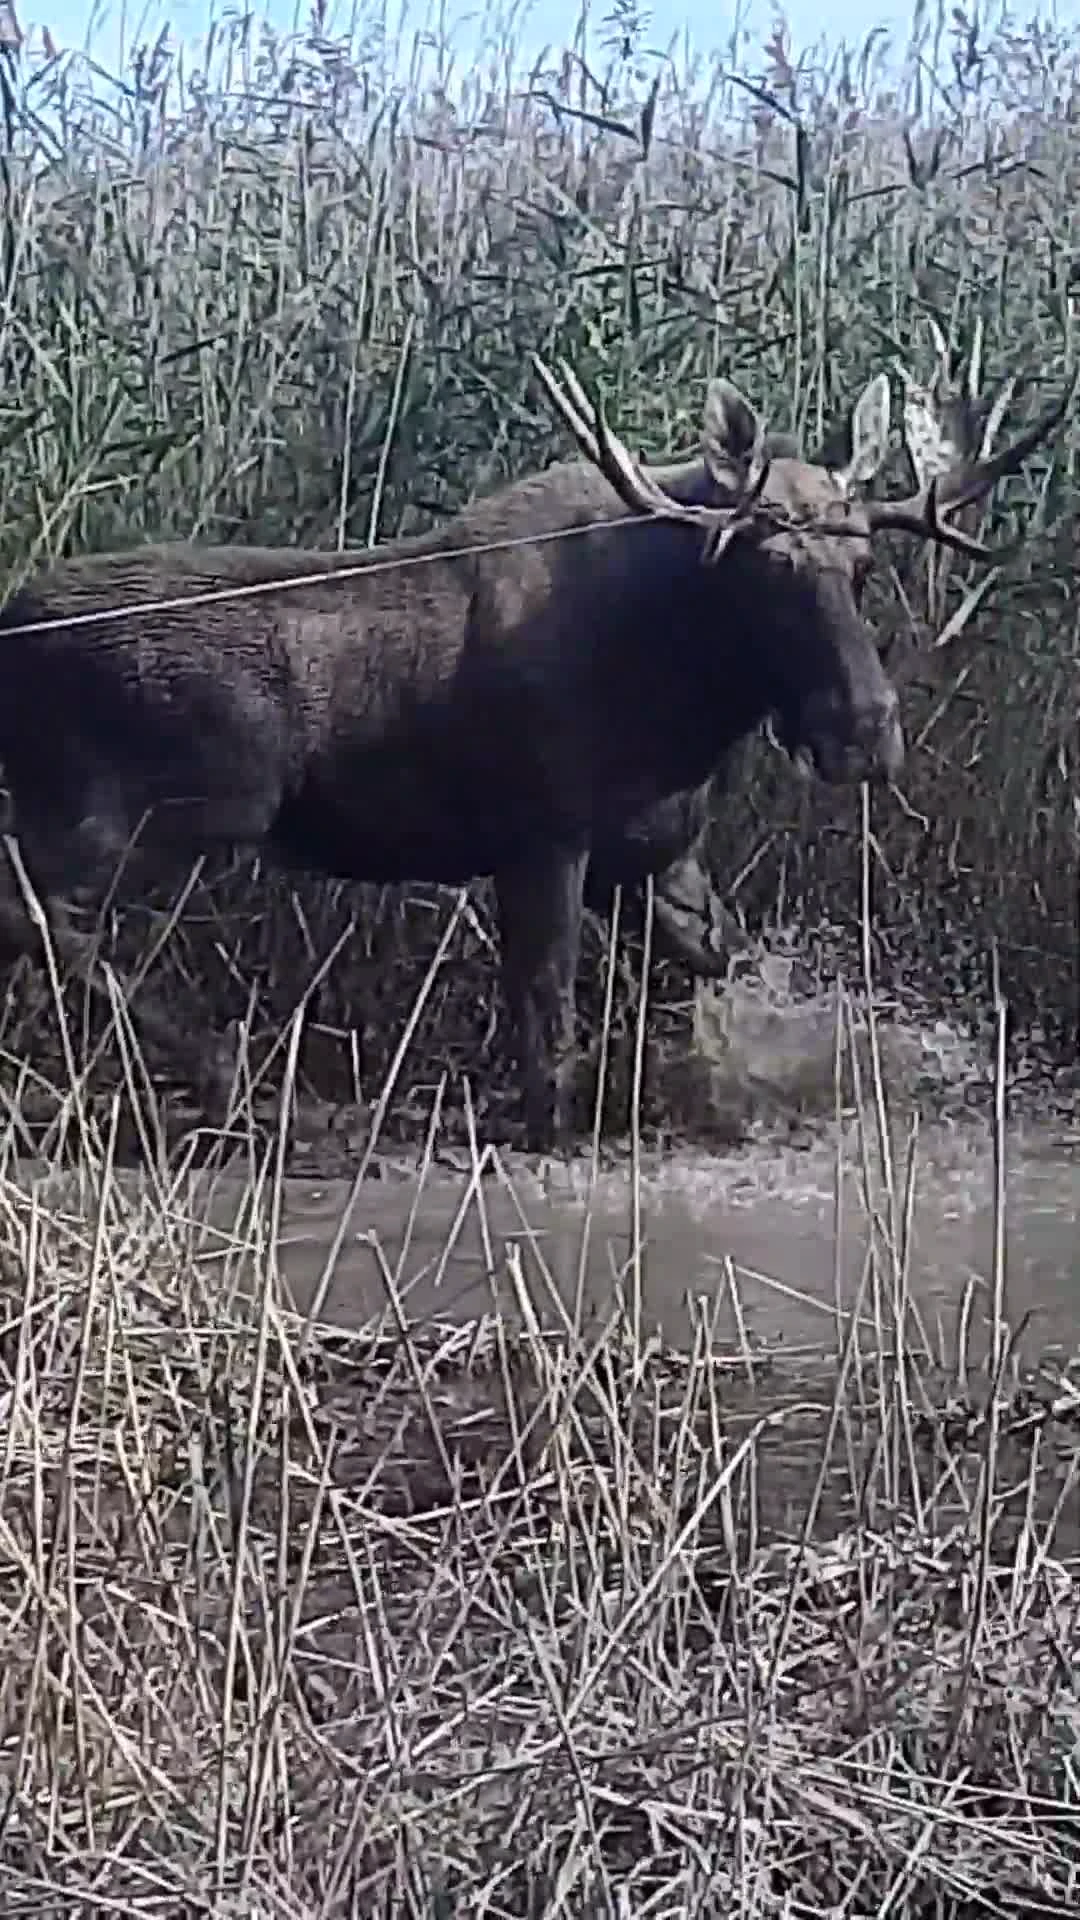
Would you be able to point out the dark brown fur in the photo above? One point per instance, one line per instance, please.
(669, 841)
(668, 845)
(447, 712)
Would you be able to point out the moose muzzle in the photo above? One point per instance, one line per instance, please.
(844, 742)
(880, 737)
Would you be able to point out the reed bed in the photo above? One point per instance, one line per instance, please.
(498, 1618)
(284, 289)
(468, 1619)
(534, 1613)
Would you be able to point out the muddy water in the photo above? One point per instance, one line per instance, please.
(753, 1232)
(773, 1238)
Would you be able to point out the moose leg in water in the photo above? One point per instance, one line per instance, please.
(540, 903)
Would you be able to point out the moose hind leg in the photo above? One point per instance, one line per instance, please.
(69, 859)
(540, 908)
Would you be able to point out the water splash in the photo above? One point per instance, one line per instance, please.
(768, 1048)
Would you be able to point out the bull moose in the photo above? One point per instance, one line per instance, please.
(492, 698)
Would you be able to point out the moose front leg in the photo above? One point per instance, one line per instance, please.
(694, 925)
(540, 909)
(669, 840)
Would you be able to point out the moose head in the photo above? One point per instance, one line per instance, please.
(787, 546)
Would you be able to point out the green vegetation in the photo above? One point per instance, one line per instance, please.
(284, 297)
(519, 1617)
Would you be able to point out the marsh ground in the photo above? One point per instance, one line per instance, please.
(725, 1587)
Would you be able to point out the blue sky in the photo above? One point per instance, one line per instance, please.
(708, 22)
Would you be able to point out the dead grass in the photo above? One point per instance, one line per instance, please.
(473, 1618)
(519, 1616)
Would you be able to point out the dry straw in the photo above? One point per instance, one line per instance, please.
(536, 1614)
(530, 1614)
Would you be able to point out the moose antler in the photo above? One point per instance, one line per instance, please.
(962, 485)
(636, 488)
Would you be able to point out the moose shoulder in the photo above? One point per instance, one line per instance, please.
(489, 699)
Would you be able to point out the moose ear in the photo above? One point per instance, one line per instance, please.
(869, 434)
(730, 432)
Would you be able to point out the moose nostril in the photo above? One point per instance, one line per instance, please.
(883, 714)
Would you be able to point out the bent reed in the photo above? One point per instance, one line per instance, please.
(515, 1616)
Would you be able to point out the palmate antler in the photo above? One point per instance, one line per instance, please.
(923, 514)
(952, 488)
